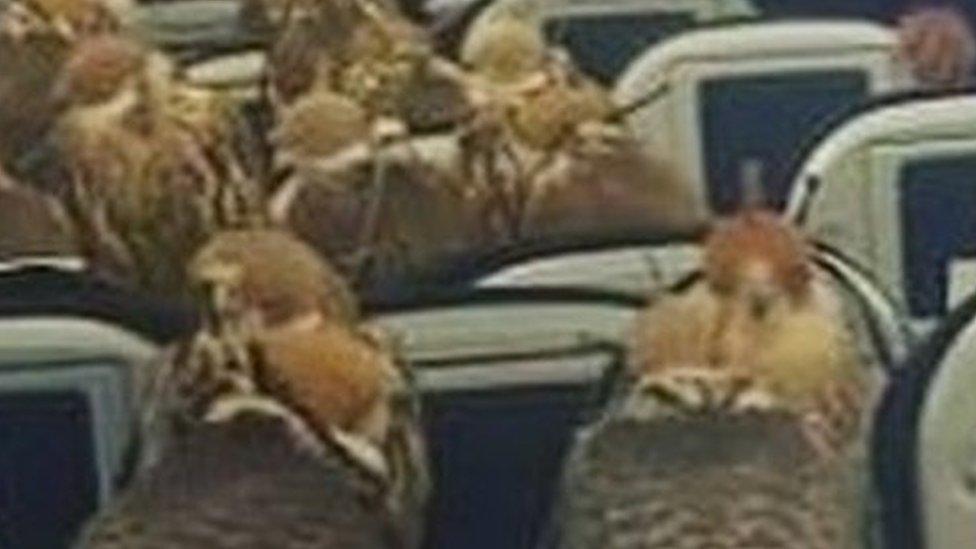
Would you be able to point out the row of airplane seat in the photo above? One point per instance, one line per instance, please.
(516, 349)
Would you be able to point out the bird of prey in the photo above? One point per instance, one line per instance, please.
(148, 157)
(278, 432)
(741, 420)
(759, 312)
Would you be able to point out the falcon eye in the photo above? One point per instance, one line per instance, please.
(760, 307)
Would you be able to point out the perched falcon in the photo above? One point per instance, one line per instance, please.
(298, 433)
(741, 422)
(758, 312)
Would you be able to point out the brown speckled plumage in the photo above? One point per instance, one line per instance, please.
(414, 218)
(33, 225)
(245, 485)
(721, 482)
(246, 446)
(278, 275)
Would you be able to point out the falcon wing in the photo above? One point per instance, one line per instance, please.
(717, 479)
(246, 485)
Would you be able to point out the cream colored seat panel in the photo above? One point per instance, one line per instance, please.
(639, 270)
(947, 450)
(501, 329)
(889, 189)
(747, 97)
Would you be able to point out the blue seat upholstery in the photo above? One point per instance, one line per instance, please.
(68, 407)
(48, 471)
(938, 225)
(767, 119)
(604, 45)
(497, 456)
(507, 376)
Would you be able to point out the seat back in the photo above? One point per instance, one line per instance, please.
(924, 441)
(196, 28)
(891, 189)
(604, 37)
(67, 409)
(635, 269)
(746, 98)
(507, 376)
(639, 270)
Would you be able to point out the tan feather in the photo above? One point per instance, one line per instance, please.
(333, 376)
(612, 185)
(504, 49)
(33, 225)
(550, 112)
(77, 18)
(278, 275)
(415, 218)
(321, 124)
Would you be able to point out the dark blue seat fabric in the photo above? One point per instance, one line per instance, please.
(767, 119)
(938, 225)
(870, 9)
(895, 438)
(497, 458)
(878, 10)
(48, 477)
(603, 46)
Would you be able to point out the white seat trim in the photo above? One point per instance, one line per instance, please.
(947, 449)
(941, 118)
